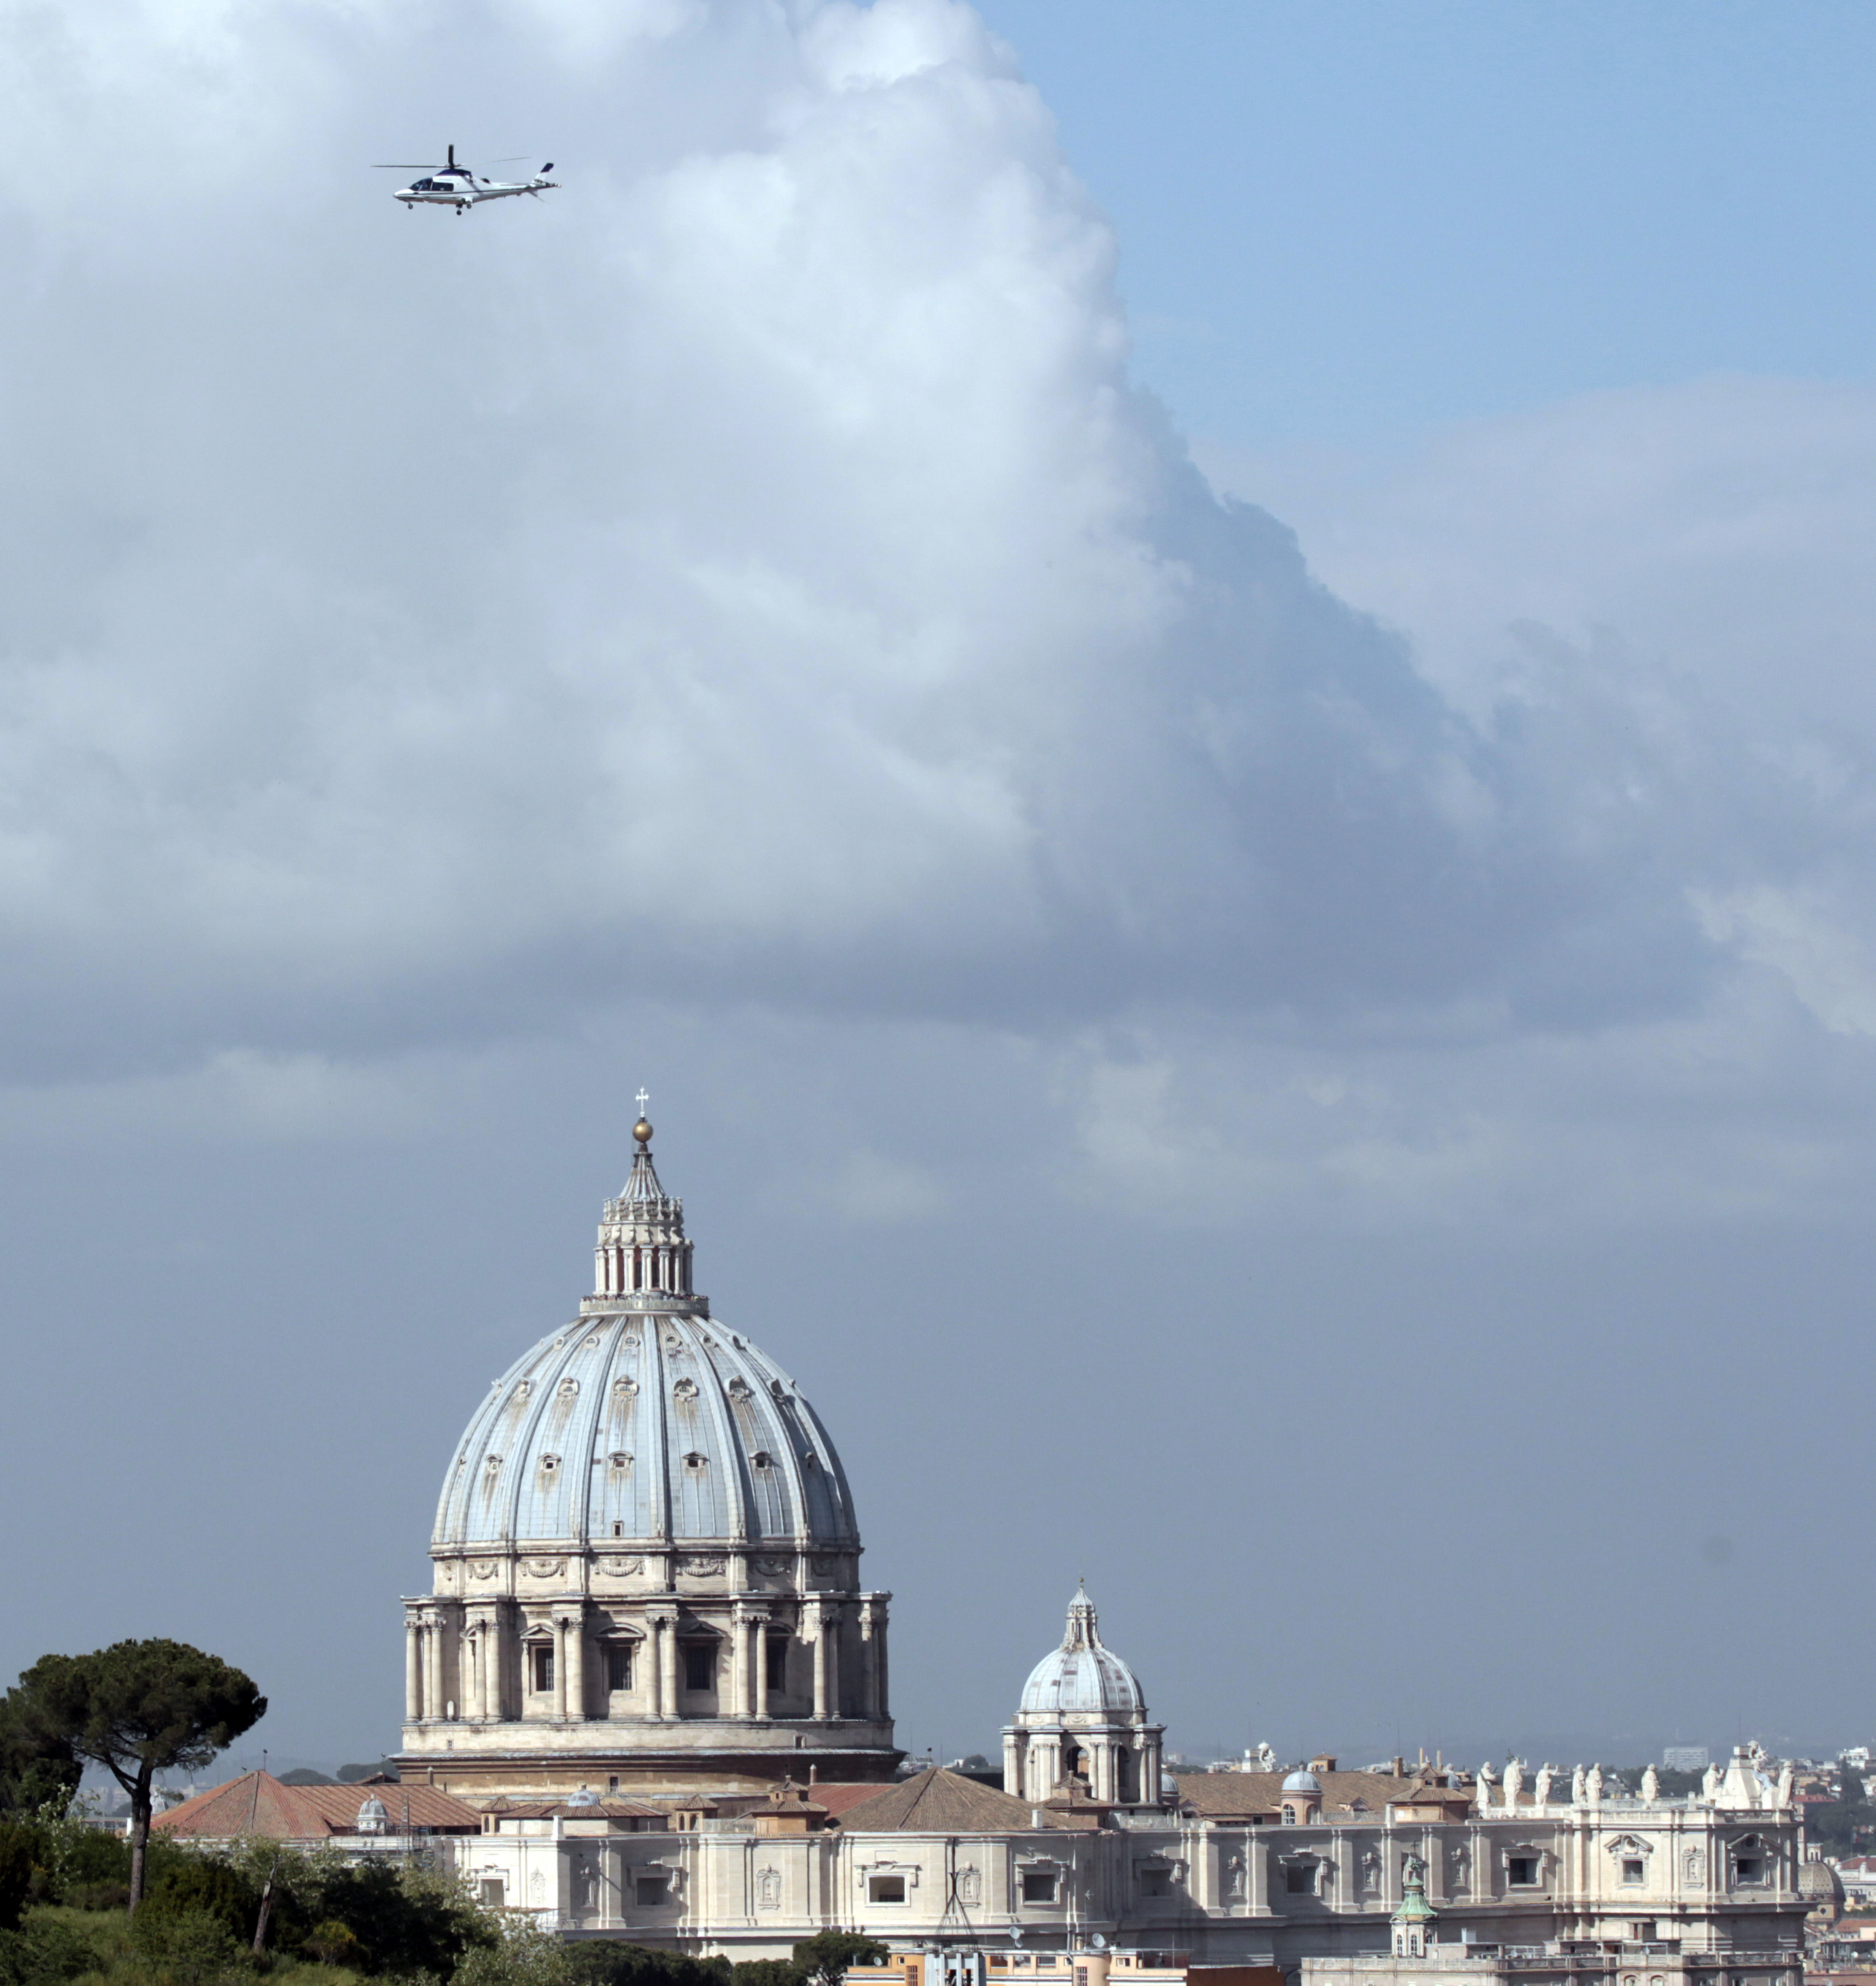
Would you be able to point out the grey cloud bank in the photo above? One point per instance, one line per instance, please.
(754, 566)
(737, 623)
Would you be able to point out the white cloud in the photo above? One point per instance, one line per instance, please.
(752, 563)
(749, 575)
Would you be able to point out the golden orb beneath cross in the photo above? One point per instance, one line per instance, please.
(642, 1131)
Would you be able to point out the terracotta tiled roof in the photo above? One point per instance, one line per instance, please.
(839, 1795)
(935, 1801)
(1215, 1796)
(257, 1804)
(609, 1809)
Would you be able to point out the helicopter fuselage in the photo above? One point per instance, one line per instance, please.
(462, 189)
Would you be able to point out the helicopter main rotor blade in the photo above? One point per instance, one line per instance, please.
(407, 166)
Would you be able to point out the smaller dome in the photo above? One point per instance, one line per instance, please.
(1082, 1677)
(374, 1817)
(1302, 1781)
(1819, 1881)
(584, 1797)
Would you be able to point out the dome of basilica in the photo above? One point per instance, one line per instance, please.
(1082, 1677)
(646, 1422)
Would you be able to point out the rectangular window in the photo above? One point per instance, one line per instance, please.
(1642, 1930)
(1299, 1879)
(700, 1666)
(1750, 1869)
(1521, 1871)
(1038, 1887)
(619, 1665)
(1634, 1869)
(541, 1658)
(492, 1893)
(1156, 1882)
(778, 1663)
(885, 1889)
(651, 1892)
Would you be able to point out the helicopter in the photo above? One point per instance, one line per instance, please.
(452, 185)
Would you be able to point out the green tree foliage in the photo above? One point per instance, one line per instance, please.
(136, 1708)
(187, 1946)
(405, 1920)
(605, 1961)
(823, 1959)
(16, 1846)
(333, 1943)
(524, 1956)
(205, 1885)
(766, 1972)
(1839, 1825)
(42, 1953)
(38, 1769)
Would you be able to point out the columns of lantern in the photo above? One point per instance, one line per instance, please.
(560, 1666)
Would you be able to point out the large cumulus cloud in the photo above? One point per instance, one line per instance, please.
(751, 572)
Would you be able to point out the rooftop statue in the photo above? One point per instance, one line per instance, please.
(1651, 1785)
(1544, 1777)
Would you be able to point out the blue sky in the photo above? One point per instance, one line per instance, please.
(1345, 222)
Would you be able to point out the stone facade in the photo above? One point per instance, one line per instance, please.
(1718, 1886)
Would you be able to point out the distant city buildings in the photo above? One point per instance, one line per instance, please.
(648, 1698)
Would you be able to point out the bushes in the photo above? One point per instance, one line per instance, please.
(185, 1945)
(42, 1952)
(201, 1885)
(15, 1873)
(604, 1961)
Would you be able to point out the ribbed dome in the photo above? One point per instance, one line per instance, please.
(646, 1422)
(1818, 1880)
(1082, 1677)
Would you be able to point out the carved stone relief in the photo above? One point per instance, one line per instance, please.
(544, 1568)
(698, 1563)
(970, 1885)
(768, 1889)
(772, 1568)
(484, 1568)
(620, 1568)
